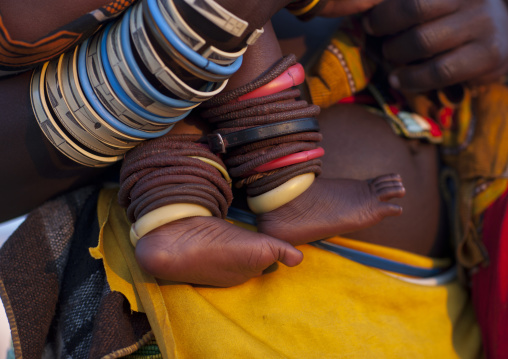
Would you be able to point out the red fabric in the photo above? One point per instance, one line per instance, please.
(434, 128)
(361, 99)
(446, 117)
(490, 284)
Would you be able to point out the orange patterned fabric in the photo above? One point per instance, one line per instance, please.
(19, 53)
(343, 69)
(117, 6)
(16, 55)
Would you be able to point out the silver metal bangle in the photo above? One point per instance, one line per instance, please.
(54, 133)
(107, 95)
(66, 118)
(219, 16)
(224, 19)
(128, 81)
(157, 67)
(175, 54)
(85, 113)
(192, 39)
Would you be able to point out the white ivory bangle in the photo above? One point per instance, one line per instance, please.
(281, 195)
(164, 215)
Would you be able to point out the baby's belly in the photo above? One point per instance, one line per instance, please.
(361, 145)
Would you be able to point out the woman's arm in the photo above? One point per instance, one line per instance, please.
(33, 170)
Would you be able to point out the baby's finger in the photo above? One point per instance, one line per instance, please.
(282, 252)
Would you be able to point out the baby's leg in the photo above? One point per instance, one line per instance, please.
(334, 206)
(210, 251)
(361, 145)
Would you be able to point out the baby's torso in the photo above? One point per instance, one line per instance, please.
(362, 145)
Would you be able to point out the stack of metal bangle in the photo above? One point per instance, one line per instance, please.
(124, 85)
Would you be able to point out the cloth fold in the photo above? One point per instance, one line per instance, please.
(324, 308)
(58, 301)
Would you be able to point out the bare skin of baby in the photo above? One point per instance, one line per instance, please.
(204, 250)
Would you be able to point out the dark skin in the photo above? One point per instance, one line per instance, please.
(433, 43)
(263, 250)
(41, 16)
(45, 167)
(38, 172)
(205, 250)
(367, 147)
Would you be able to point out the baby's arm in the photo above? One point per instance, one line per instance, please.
(209, 250)
(206, 250)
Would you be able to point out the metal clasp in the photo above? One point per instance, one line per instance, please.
(216, 143)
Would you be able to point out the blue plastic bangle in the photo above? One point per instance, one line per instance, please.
(122, 95)
(378, 262)
(136, 71)
(185, 50)
(100, 109)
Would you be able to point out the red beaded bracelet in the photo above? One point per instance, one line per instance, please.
(291, 159)
(293, 76)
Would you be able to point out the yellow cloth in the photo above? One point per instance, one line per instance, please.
(476, 147)
(123, 273)
(392, 254)
(327, 307)
(341, 71)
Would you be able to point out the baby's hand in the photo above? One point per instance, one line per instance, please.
(436, 43)
(210, 251)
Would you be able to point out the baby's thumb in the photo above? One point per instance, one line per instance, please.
(287, 254)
